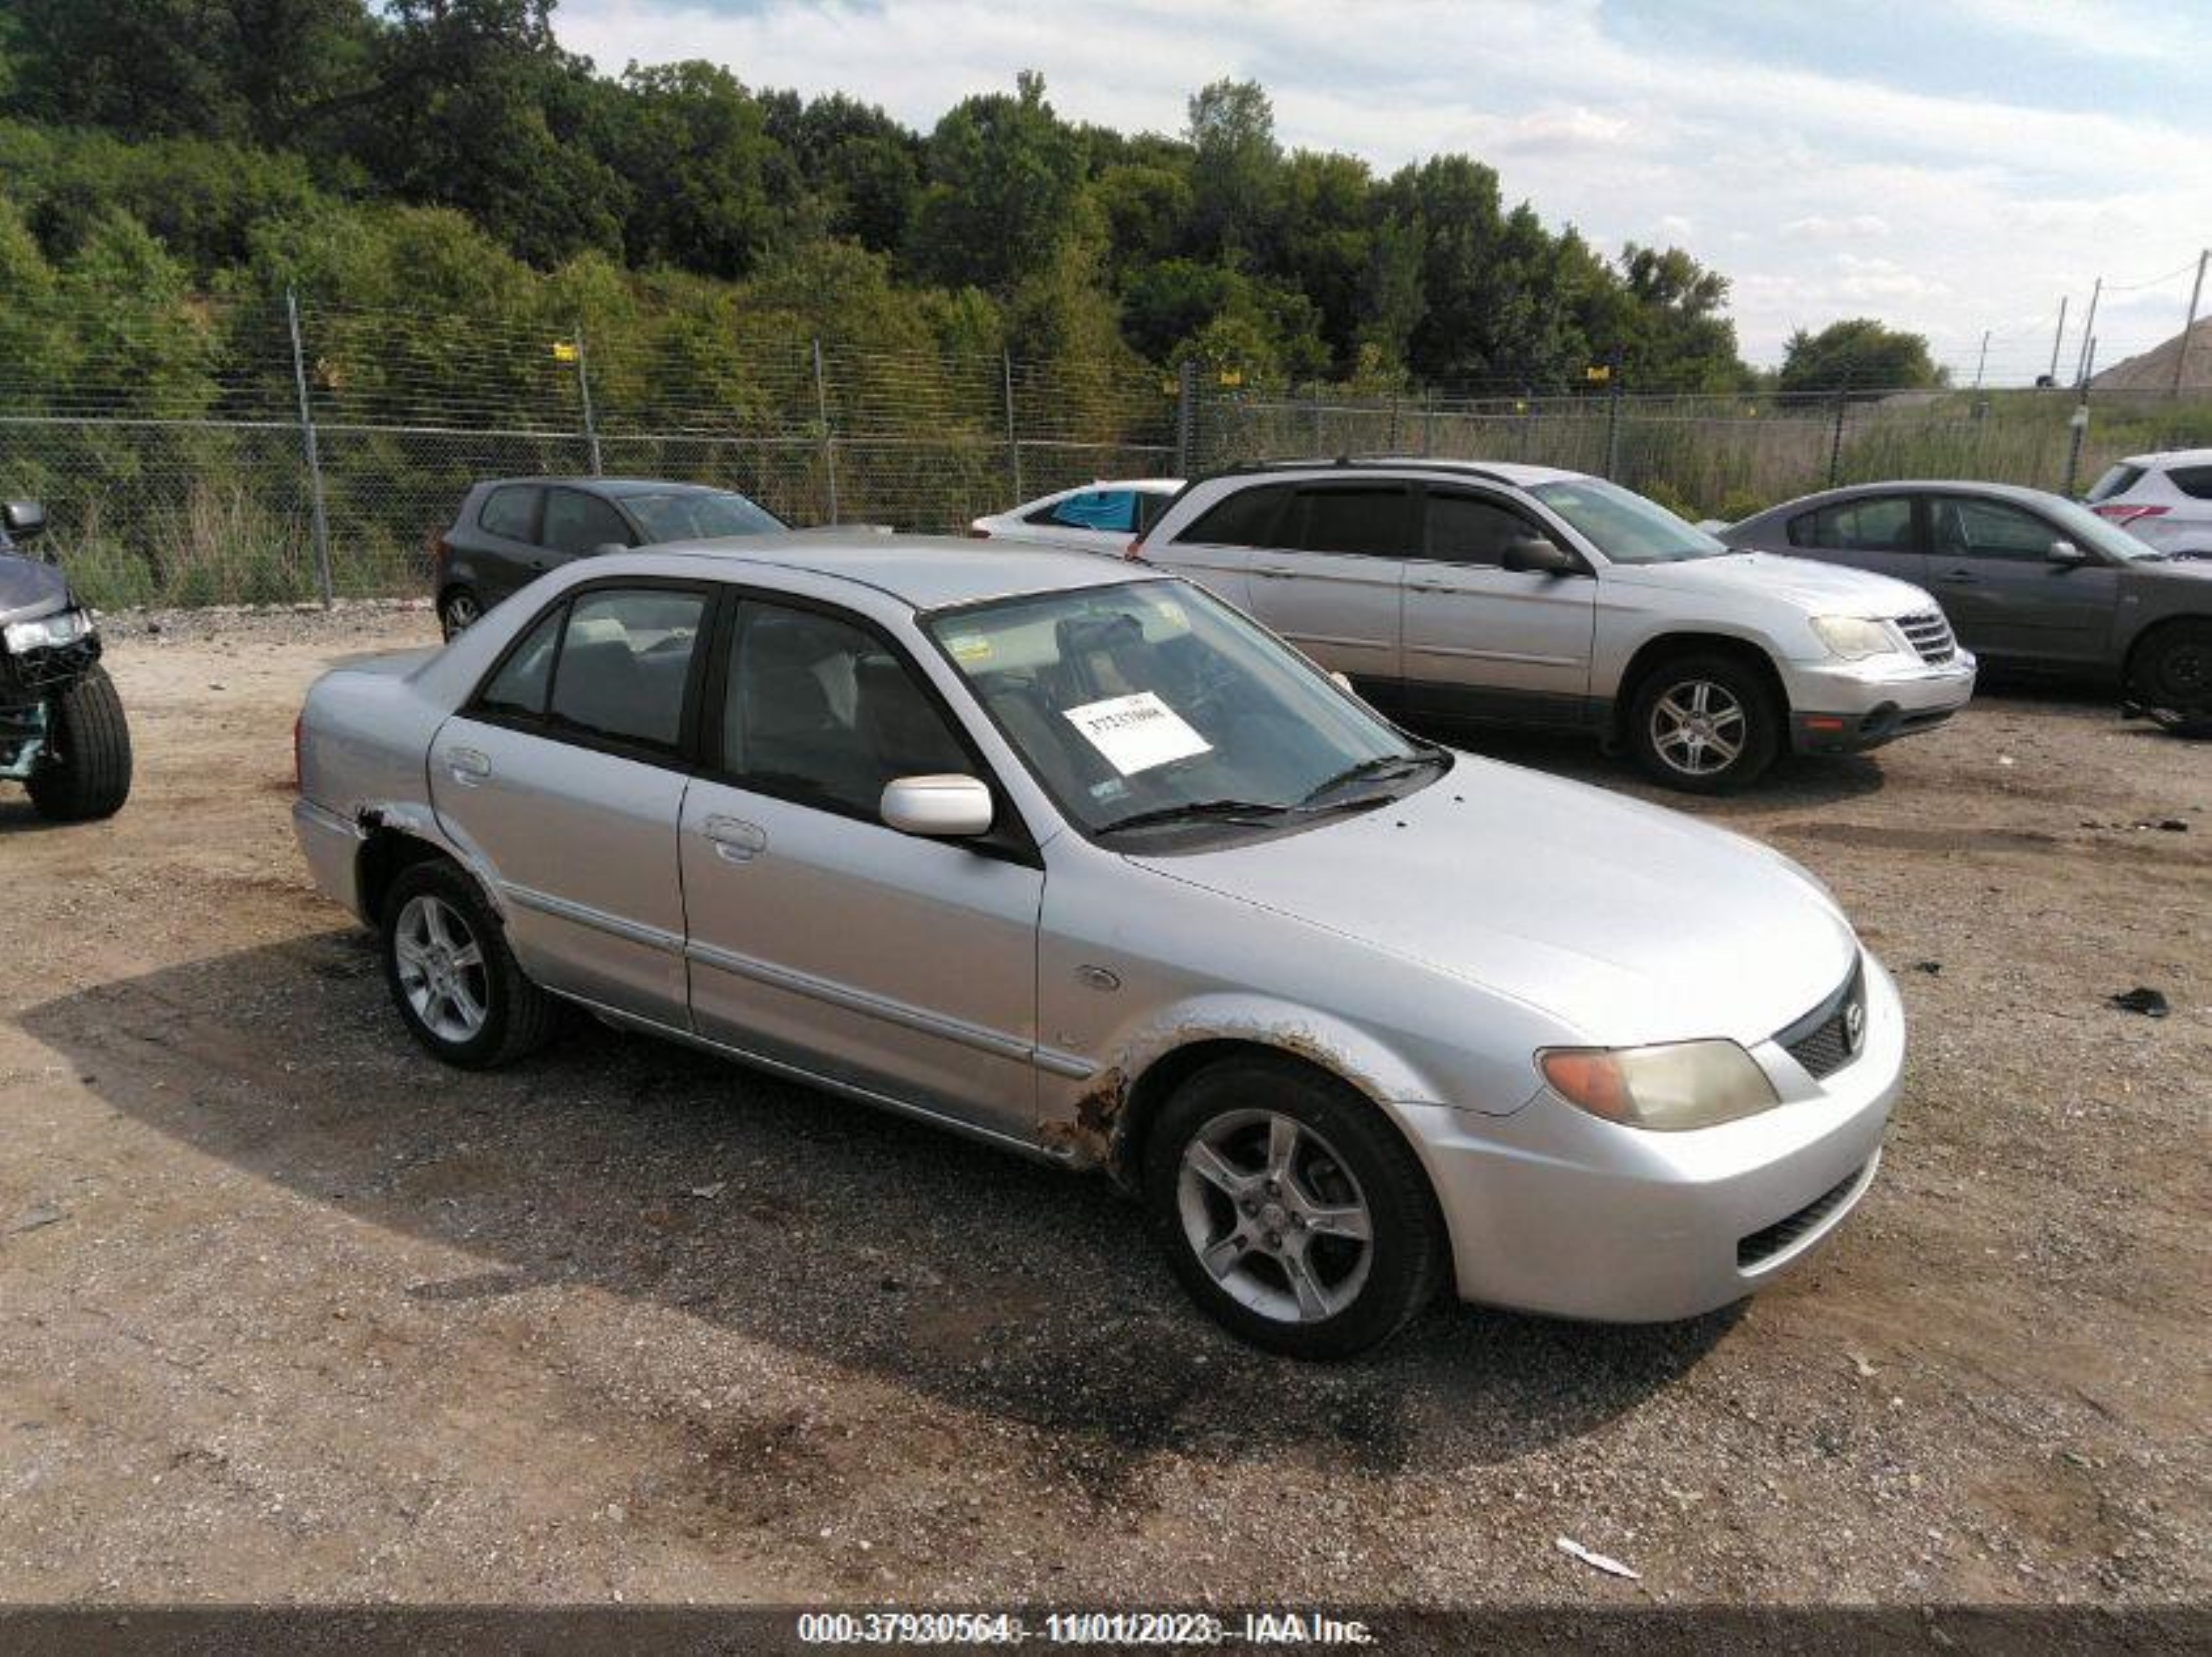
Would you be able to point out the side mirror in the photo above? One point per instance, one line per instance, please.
(1343, 683)
(25, 519)
(1529, 555)
(937, 808)
(2065, 552)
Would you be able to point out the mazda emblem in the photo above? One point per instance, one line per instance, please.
(1854, 1026)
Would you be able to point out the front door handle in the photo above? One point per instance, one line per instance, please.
(734, 840)
(1428, 586)
(467, 767)
(1274, 571)
(1959, 578)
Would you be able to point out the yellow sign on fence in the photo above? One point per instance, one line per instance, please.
(1598, 373)
(564, 350)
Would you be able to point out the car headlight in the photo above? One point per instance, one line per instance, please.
(1668, 1089)
(63, 627)
(1855, 638)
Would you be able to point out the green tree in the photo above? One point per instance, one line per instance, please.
(1006, 179)
(1859, 354)
(1236, 169)
(693, 147)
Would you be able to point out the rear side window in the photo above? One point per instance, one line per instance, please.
(2195, 481)
(1112, 510)
(624, 663)
(2117, 481)
(512, 512)
(576, 523)
(1467, 529)
(1364, 519)
(1246, 519)
(520, 685)
(1880, 524)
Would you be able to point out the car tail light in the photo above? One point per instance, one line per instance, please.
(2117, 512)
(977, 532)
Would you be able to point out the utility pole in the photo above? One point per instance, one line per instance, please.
(2195, 293)
(2058, 340)
(2088, 329)
(1983, 361)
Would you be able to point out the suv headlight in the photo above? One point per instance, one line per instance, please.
(1668, 1089)
(63, 627)
(1855, 638)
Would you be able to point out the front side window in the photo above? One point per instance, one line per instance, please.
(1469, 529)
(1989, 529)
(1882, 524)
(511, 512)
(576, 523)
(822, 710)
(700, 515)
(1149, 708)
(1624, 525)
(624, 662)
(2195, 481)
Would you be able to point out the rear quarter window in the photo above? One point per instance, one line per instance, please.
(2195, 481)
(511, 512)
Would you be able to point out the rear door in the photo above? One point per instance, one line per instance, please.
(1877, 532)
(1482, 640)
(819, 938)
(578, 523)
(502, 544)
(564, 776)
(1330, 583)
(1988, 563)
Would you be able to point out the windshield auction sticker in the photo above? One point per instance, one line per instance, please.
(1136, 733)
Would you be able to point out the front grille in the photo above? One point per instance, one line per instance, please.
(51, 666)
(1830, 1035)
(1931, 634)
(1785, 1233)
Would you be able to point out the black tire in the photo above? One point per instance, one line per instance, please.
(86, 771)
(2170, 675)
(1728, 683)
(458, 609)
(1347, 1137)
(517, 1017)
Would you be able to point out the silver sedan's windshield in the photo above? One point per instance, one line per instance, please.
(1149, 707)
(1623, 525)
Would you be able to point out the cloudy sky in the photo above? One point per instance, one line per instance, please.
(1950, 167)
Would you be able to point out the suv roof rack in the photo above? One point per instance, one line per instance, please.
(1367, 463)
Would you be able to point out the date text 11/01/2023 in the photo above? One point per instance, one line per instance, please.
(1110, 1627)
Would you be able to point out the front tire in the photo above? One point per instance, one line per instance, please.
(458, 609)
(86, 771)
(1296, 1216)
(458, 988)
(1706, 724)
(2171, 676)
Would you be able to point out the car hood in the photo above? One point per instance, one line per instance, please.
(30, 587)
(1816, 589)
(1630, 923)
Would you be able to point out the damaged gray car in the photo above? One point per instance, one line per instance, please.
(62, 731)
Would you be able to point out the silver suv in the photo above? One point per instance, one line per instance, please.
(2164, 501)
(1532, 596)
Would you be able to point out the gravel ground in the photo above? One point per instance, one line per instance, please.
(289, 1311)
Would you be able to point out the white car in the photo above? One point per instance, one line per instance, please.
(2164, 501)
(1103, 517)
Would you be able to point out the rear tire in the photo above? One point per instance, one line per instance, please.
(2171, 676)
(1706, 724)
(1270, 1171)
(86, 773)
(456, 984)
(458, 609)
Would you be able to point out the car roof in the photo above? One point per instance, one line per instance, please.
(1495, 471)
(2163, 458)
(615, 486)
(2020, 492)
(929, 572)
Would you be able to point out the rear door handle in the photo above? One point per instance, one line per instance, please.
(467, 767)
(1274, 571)
(1959, 578)
(734, 840)
(1428, 586)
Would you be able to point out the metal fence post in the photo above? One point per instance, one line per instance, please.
(1836, 437)
(1612, 414)
(1428, 420)
(314, 453)
(1187, 418)
(1013, 442)
(584, 390)
(829, 442)
(1392, 448)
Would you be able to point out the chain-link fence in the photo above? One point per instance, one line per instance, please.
(195, 451)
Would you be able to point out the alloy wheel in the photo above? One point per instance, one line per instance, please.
(1275, 1216)
(1699, 727)
(441, 969)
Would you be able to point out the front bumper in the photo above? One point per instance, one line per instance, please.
(1845, 708)
(1554, 1211)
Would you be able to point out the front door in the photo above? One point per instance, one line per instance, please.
(1330, 584)
(1988, 562)
(1485, 642)
(819, 938)
(563, 779)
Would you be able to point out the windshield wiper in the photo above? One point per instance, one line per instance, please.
(1255, 812)
(1382, 766)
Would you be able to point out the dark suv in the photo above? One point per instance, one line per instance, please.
(512, 529)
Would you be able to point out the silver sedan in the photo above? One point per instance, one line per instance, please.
(1074, 858)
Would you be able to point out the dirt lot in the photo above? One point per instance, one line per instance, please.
(286, 1310)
